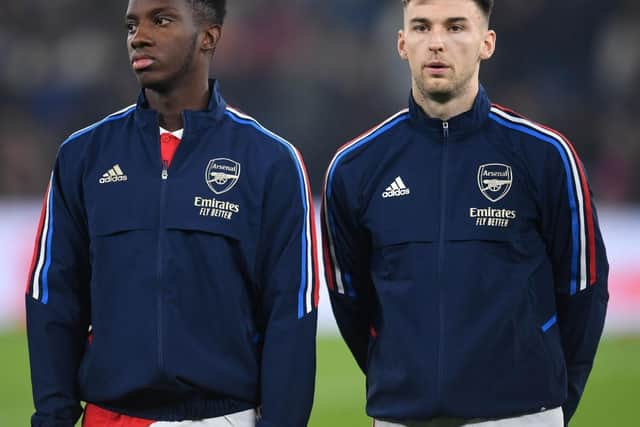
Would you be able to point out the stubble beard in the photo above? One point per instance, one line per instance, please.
(440, 93)
(444, 91)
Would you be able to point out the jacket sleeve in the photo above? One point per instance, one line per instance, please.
(57, 304)
(289, 296)
(346, 252)
(575, 245)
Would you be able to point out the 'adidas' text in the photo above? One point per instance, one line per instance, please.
(396, 189)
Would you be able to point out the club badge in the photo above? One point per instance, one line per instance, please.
(222, 174)
(494, 180)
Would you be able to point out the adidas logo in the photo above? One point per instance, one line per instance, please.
(114, 174)
(396, 189)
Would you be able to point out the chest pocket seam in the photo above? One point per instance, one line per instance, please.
(217, 229)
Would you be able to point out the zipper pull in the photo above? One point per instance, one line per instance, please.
(445, 129)
(165, 172)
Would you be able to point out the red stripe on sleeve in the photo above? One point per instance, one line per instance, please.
(312, 214)
(36, 245)
(591, 238)
(316, 270)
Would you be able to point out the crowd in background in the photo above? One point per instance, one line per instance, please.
(321, 72)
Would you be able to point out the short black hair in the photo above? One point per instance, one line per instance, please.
(486, 6)
(210, 11)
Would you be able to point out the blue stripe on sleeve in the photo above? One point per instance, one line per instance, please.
(95, 125)
(572, 197)
(346, 277)
(359, 143)
(45, 272)
(305, 203)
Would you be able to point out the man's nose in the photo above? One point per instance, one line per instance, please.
(436, 41)
(141, 37)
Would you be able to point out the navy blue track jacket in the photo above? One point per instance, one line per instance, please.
(465, 265)
(198, 282)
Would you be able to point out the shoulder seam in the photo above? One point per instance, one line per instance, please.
(512, 116)
(111, 117)
(333, 271)
(583, 269)
(308, 290)
(245, 119)
(362, 140)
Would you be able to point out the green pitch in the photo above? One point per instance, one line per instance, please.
(611, 397)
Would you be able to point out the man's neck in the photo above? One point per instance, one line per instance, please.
(445, 109)
(172, 103)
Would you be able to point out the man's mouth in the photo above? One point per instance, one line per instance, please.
(141, 62)
(437, 67)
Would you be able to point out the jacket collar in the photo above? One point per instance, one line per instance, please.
(459, 125)
(194, 120)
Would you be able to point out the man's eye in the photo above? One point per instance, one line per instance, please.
(456, 28)
(420, 28)
(162, 21)
(131, 27)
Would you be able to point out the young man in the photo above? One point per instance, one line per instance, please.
(173, 280)
(465, 265)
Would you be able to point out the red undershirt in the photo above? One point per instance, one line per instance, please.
(168, 145)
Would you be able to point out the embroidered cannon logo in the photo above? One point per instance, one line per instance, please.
(222, 174)
(494, 180)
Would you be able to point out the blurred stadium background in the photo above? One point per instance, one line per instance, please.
(319, 73)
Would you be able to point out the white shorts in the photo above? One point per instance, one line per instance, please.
(549, 418)
(239, 419)
(96, 416)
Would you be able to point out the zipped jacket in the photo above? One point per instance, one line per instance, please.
(465, 265)
(175, 293)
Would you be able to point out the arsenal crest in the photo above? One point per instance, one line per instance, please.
(222, 174)
(494, 180)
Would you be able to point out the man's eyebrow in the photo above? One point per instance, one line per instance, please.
(451, 20)
(456, 19)
(153, 12)
(420, 21)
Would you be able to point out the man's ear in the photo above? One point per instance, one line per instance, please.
(488, 45)
(212, 36)
(402, 51)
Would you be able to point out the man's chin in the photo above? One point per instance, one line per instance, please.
(438, 93)
(148, 81)
(438, 86)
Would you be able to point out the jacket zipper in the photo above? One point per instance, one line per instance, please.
(163, 191)
(443, 213)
